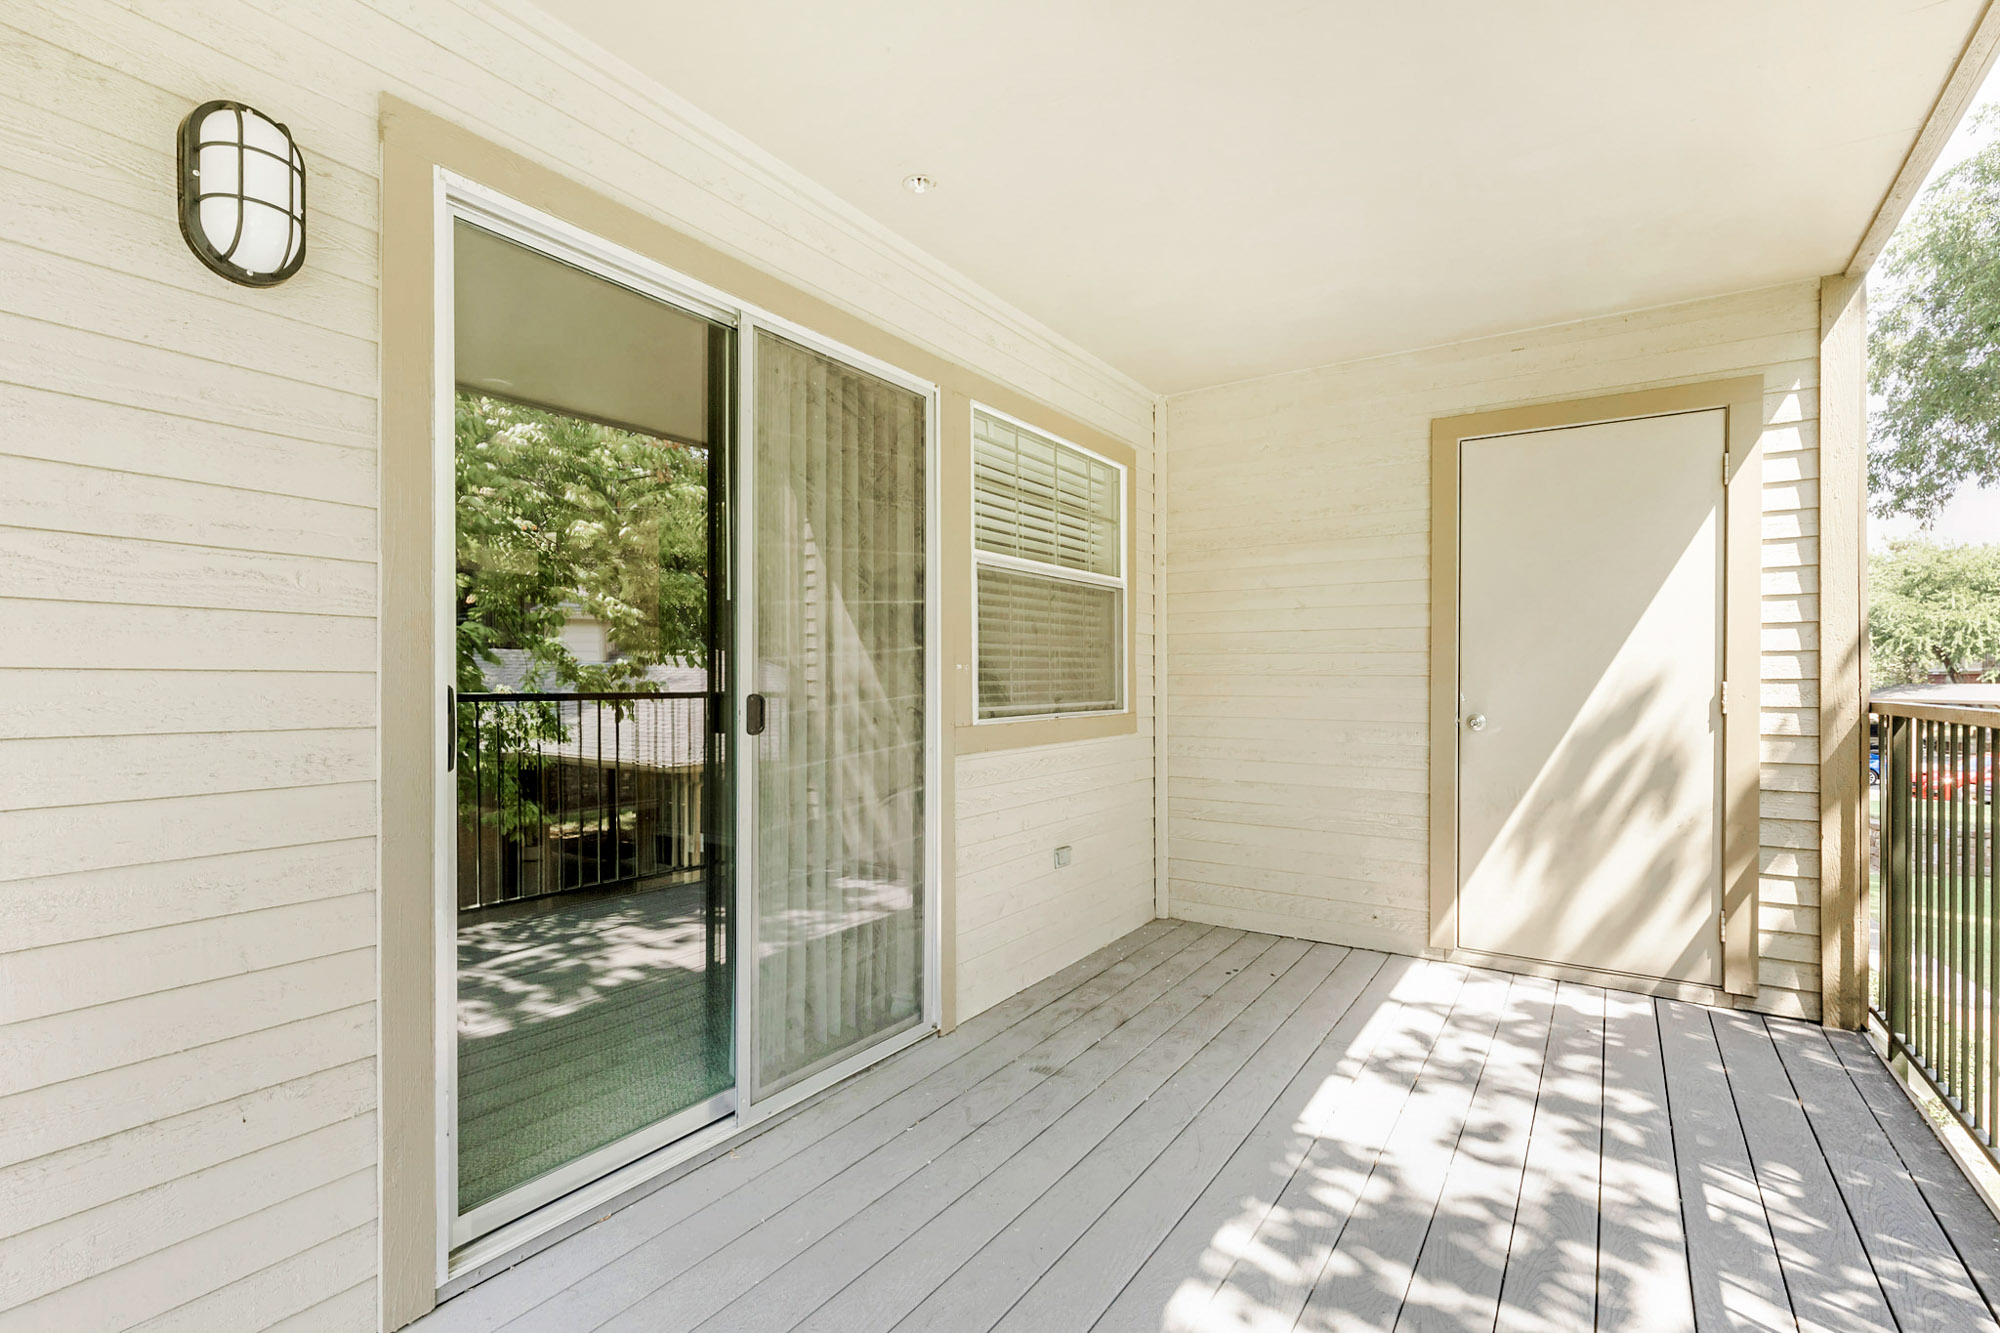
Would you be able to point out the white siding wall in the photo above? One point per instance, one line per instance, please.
(188, 633)
(1020, 918)
(1297, 631)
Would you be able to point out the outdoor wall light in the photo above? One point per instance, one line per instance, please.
(243, 194)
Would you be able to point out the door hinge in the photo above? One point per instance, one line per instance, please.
(1725, 698)
(1725, 467)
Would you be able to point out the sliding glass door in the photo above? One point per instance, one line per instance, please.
(686, 606)
(839, 554)
(594, 1003)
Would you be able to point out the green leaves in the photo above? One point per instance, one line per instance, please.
(561, 518)
(1934, 346)
(1933, 608)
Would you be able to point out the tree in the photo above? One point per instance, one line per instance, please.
(558, 515)
(1933, 608)
(1934, 346)
(555, 516)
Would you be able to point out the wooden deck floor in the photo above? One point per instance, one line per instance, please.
(1201, 1129)
(580, 1021)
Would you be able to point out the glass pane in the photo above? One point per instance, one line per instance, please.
(840, 659)
(1047, 645)
(1040, 500)
(593, 995)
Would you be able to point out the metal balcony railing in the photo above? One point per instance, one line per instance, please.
(570, 793)
(1936, 908)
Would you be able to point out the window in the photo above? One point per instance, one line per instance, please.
(1048, 524)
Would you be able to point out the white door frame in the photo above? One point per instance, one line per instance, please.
(467, 1242)
(1742, 400)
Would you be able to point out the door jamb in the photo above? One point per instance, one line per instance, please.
(1741, 398)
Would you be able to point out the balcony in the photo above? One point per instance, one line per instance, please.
(1201, 1128)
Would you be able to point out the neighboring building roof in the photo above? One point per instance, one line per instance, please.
(1942, 694)
(506, 672)
(671, 733)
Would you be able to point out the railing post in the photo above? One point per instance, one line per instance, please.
(1897, 951)
(1882, 921)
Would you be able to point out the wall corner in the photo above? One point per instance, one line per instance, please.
(1162, 798)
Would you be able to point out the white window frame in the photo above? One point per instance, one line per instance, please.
(1121, 582)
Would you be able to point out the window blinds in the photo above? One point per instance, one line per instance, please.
(1048, 539)
(1035, 499)
(1046, 646)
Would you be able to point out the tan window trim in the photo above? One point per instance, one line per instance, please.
(972, 736)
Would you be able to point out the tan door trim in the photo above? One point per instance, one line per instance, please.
(1743, 399)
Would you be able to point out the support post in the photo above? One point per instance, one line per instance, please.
(1843, 652)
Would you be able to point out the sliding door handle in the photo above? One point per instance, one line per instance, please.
(753, 715)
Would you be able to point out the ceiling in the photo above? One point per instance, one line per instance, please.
(1199, 192)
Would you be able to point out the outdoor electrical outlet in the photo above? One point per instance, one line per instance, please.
(1062, 857)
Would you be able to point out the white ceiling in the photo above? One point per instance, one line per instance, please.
(1199, 191)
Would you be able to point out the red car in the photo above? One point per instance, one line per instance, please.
(1941, 780)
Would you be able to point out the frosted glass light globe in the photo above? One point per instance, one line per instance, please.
(243, 193)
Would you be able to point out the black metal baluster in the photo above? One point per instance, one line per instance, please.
(1895, 885)
(1982, 1047)
(1983, 973)
(1927, 916)
(1947, 917)
(1962, 915)
(1955, 847)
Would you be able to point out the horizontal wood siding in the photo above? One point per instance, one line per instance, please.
(1298, 618)
(1019, 916)
(188, 547)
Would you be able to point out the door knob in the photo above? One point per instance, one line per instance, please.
(1476, 722)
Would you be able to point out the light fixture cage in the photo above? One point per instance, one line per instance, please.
(242, 193)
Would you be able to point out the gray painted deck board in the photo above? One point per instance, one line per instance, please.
(1092, 1229)
(1181, 1274)
(1734, 1261)
(1832, 1283)
(1551, 1278)
(1367, 1276)
(1068, 1189)
(1920, 1274)
(1274, 1272)
(1456, 1285)
(712, 1257)
(954, 1207)
(1203, 1129)
(1101, 1264)
(1949, 1194)
(1642, 1280)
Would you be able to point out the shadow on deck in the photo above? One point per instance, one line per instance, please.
(1203, 1129)
(580, 1022)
